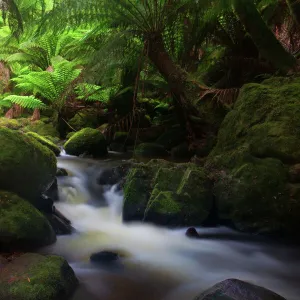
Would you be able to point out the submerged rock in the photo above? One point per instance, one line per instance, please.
(37, 277)
(255, 161)
(61, 172)
(87, 141)
(104, 257)
(26, 167)
(234, 289)
(22, 225)
(45, 142)
(192, 233)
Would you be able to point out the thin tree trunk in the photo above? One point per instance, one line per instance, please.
(269, 47)
(176, 78)
(36, 115)
(294, 6)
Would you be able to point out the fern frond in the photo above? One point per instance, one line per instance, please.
(24, 101)
(222, 96)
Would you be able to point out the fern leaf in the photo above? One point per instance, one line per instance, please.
(25, 101)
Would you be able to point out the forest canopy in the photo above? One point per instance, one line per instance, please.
(120, 55)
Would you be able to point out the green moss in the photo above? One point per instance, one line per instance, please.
(26, 167)
(137, 190)
(85, 118)
(87, 140)
(70, 134)
(123, 138)
(256, 140)
(21, 224)
(37, 277)
(10, 123)
(42, 128)
(45, 142)
(150, 150)
(183, 186)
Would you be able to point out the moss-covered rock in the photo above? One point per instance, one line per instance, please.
(257, 142)
(89, 141)
(14, 124)
(167, 194)
(21, 224)
(86, 118)
(150, 150)
(26, 167)
(45, 142)
(46, 129)
(37, 277)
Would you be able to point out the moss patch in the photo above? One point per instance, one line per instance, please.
(36, 277)
(45, 142)
(257, 142)
(46, 129)
(22, 225)
(89, 141)
(26, 167)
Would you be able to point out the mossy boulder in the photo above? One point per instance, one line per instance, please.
(37, 277)
(150, 150)
(87, 141)
(86, 118)
(234, 289)
(26, 166)
(21, 224)
(167, 194)
(44, 128)
(14, 124)
(257, 145)
(44, 141)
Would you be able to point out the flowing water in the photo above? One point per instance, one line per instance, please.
(157, 263)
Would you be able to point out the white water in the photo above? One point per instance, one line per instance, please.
(160, 264)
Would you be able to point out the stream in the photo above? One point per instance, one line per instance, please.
(158, 263)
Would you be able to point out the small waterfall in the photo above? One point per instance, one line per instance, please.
(160, 264)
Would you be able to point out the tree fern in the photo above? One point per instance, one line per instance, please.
(23, 101)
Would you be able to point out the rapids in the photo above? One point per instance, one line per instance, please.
(159, 263)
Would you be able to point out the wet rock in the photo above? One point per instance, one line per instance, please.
(192, 233)
(113, 175)
(117, 147)
(52, 192)
(150, 150)
(61, 172)
(45, 204)
(105, 257)
(60, 224)
(234, 289)
(37, 277)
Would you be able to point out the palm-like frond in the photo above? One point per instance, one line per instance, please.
(23, 101)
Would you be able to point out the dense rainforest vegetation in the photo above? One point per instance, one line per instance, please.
(203, 93)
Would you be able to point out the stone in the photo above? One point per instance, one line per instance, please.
(234, 289)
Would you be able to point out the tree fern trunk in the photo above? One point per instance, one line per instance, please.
(176, 78)
(36, 115)
(294, 6)
(269, 47)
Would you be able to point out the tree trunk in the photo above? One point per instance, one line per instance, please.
(294, 6)
(36, 115)
(269, 47)
(176, 78)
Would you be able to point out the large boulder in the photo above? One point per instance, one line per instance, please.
(44, 141)
(37, 277)
(26, 166)
(170, 194)
(44, 128)
(21, 224)
(256, 158)
(234, 289)
(87, 141)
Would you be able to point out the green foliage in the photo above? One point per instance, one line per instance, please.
(23, 101)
